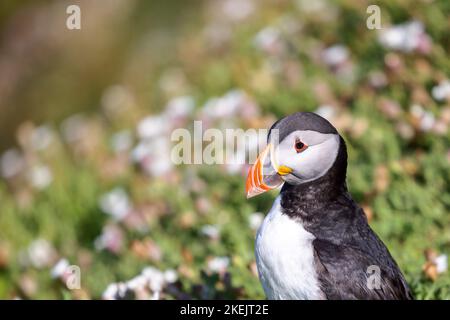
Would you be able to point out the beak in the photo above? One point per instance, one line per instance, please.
(265, 174)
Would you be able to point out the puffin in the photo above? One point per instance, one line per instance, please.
(315, 243)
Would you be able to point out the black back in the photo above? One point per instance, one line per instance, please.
(302, 121)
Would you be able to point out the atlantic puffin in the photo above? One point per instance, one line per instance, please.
(316, 243)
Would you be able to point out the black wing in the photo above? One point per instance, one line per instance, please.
(347, 273)
(348, 267)
(354, 263)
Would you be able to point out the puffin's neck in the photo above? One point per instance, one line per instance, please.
(301, 200)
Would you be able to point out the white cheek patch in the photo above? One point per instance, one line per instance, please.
(312, 163)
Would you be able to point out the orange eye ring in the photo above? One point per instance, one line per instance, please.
(300, 146)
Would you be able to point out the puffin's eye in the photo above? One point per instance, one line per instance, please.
(299, 146)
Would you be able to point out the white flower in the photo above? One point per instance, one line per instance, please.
(326, 111)
(40, 177)
(255, 220)
(405, 37)
(41, 137)
(155, 278)
(116, 203)
(153, 156)
(218, 264)
(115, 291)
(441, 91)
(150, 280)
(41, 253)
(110, 239)
(426, 118)
(267, 39)
(170, 276)
(152, 126)
(233, 103)
(180, 107)
(60, 268)
(141, 151)
(11, 163)
(223, 107)
(335, 55)
(137, 283)
(377, 79)
(441, 263)
(110, 292)
(211, 231)
(237, 10)
(427, 122)
(160, 163)
(122, 141)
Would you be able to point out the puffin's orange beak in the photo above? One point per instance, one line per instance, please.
(262, 176)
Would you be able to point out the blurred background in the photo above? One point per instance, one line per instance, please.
(86, 178)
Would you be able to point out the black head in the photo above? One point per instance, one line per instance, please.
(318, 169)
(302, 121)
(303, 149)
(306, 147)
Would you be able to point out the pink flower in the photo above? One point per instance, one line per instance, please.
(116, 203)
(111, 239)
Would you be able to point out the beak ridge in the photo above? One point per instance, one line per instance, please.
(262, 177)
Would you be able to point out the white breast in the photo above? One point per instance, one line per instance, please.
(285, 260)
